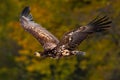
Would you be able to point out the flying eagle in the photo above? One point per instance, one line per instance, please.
(66, 46)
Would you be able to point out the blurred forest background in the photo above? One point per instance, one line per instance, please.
(17, 62)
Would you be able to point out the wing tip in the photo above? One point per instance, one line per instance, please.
(100, 23)
(26, 13)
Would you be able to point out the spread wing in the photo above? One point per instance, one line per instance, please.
(73, 38)
(47, 40)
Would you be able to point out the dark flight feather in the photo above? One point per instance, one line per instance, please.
(75, 37)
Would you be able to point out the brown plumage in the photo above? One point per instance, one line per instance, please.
(47, 40)
(66, 46)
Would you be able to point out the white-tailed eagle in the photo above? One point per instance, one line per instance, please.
(66, 46)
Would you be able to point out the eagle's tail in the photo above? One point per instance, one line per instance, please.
(26, 13)
(100, 23)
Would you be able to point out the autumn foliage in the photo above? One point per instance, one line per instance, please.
(17, 62)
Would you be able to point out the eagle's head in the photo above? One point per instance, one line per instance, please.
(45, 54)
(38, 54)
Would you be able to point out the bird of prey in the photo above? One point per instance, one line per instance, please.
(70, 40)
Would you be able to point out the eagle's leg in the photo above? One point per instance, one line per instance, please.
(78, 53)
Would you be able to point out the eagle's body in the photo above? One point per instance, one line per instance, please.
(66, 46)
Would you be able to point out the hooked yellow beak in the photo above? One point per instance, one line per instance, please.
(37, 54)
